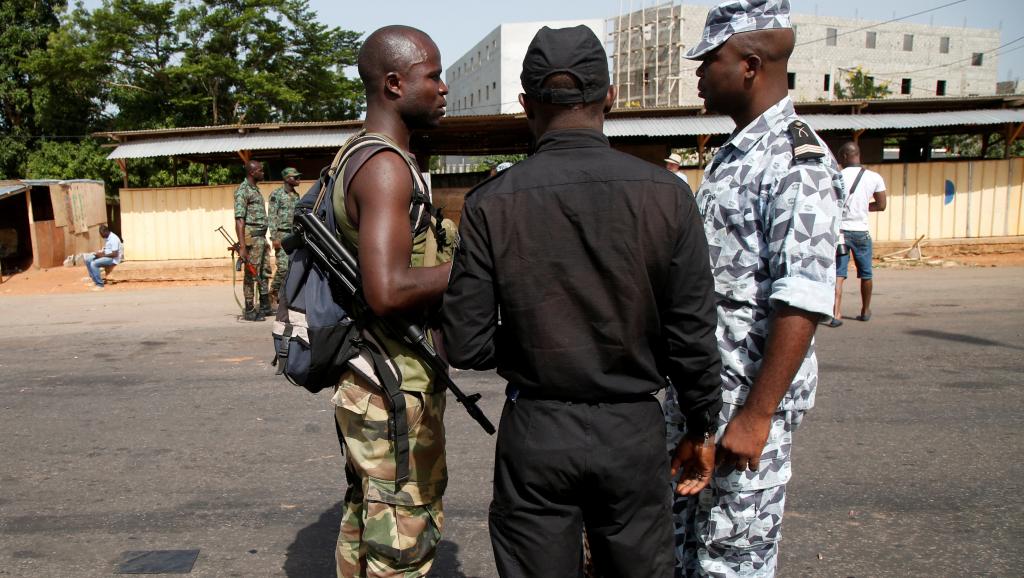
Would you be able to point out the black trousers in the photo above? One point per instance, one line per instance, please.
(560, 467)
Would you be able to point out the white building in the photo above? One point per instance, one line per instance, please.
(916, 60)
(485, 80)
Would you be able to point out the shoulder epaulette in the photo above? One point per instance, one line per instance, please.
(805, 144)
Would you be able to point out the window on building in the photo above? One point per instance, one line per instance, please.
(871, 39)
(944, 45)
(830, 36)
(791, 77)
(479, 93)
(471, 100)
(905, 86)
(487, 92)
(940, 88)
(908, 42)
(977, 59)
(827, 85)
(494, 85)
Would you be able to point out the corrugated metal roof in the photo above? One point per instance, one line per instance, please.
(668, 126)
(654, 126)
(698, 125)
(205, 144)
(11, 189)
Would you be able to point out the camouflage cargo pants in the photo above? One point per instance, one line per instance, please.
(733, 527)
(281, 261)
(384, 532)
(259, 256)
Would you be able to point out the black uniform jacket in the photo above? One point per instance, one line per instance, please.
(599, 267)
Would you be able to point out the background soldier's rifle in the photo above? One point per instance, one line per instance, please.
(341, 265)
(234, 249)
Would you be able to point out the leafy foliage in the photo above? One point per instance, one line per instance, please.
(144, 64)
(860, 84)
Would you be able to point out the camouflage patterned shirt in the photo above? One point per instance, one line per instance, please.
(771, 223)
(281, 212)
(249, 206)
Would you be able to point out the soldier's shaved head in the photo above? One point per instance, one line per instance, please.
(391, 49)
(773, 46)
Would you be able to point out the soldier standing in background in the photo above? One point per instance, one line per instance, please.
(280, 213)
(771, 199)
(251, 228)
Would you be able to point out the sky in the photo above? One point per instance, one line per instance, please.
(457, 25)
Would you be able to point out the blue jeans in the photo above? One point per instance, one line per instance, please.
(93, 264)
(859, 243)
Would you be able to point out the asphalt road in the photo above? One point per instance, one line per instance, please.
(152, 419)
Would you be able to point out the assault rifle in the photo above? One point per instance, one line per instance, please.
(235, 248)
(341, 265)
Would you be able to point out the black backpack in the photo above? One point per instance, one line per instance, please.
(314, 336)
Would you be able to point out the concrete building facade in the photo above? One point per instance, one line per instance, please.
(485, 80)
(915, 60)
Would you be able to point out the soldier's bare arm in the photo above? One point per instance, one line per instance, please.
(378, 203)
(243, 252)
(789, 336)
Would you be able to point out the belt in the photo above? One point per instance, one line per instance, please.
(256, 232)
(513, 393)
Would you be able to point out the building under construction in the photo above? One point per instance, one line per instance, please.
(911, 60)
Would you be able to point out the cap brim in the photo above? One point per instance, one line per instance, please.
(698, 51)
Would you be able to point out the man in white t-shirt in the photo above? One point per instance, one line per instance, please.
(109, 256)
(865, 193)
(674, 165)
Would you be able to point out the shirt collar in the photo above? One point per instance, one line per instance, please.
(571, 138)
(769, 121)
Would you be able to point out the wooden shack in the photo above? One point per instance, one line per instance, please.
(44, 221)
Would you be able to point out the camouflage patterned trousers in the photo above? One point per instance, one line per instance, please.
(259, 256)
(387, 532)
(281, 262)
(733, 527)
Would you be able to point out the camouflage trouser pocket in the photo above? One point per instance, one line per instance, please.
(401, 537)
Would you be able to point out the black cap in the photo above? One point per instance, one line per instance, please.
(576, 51)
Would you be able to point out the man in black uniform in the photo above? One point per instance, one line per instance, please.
(598, 263)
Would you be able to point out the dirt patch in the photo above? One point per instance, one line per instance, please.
(59, 280)
(994, 259)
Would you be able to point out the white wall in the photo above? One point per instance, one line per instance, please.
(488, 74)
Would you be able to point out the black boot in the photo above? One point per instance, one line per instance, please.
(265, 309)
(252, 315)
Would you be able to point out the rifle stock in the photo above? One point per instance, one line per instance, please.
(342, 267)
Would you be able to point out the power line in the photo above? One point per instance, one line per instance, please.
(866, 27)
(1001, 46)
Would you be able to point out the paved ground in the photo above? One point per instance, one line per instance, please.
(151, 419)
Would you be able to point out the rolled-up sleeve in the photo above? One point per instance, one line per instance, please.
(804, 224)
(469, 312)
(240, 203)
(689, 321)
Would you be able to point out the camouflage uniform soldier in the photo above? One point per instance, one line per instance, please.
(251, 227)
(771, 201)
(281, 212)
(391, 528)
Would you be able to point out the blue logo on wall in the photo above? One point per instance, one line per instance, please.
(950, 192)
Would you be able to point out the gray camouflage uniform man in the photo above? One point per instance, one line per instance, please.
(771, 202)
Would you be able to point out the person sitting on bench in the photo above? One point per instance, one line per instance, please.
(106, 258)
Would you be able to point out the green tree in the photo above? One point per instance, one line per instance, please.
(860, 84)
(27, 27)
